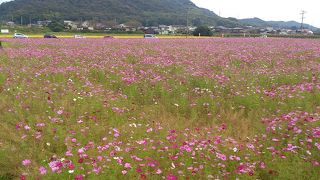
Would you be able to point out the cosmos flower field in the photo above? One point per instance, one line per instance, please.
(160, 109)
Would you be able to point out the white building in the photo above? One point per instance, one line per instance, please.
(70, 24)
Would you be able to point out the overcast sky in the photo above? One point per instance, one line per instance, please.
(285, 10)
(265, 9)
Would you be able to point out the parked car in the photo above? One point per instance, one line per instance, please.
(19, 36)
(108, 37)
(79, 36)
(50, 36)
(150, 36)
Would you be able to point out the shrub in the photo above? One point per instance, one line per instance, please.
(56, 26)
(203, 31)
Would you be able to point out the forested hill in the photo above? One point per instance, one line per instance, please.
(276, 24)
(146, 12)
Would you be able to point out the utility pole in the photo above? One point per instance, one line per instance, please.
(187, 23)
(188, 9)
(21, 20)
(302, 18)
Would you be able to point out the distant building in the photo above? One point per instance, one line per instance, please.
(149, 31)
(10, 23)
(165, 30)
(283, 33)
(177, 29)
(222, 29)
(305, 32)
(237, 30)
(70, 25)
(108, 29)
(310, 33)
(4, 31)
(270, 29)
(43, 23)
(85, 24)
(124, 28)
(100, 26)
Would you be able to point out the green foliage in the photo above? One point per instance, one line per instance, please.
(151, 12)
(56, 26)
(203, 31)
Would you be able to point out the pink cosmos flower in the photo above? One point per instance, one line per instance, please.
(171, 177)
(221, 156)
(100, 158)
(79, 177)
(234, 158)
(250, 146)
(42, 170)
(316, 132)
(127, 165)
(144, 142)
(217, 141)
(149, 130)
(315, 163)
(69, 153)
(158, 171)
(152, 164)
(118, 110)
(223, 127)
(81, 150)
(186, 148)
(97, 170)
(60, 112)
(139, 170)
(290, 147)
(116, 132)
(40, 125)
(55, 165)
(26, 162)
(71, 167)
(241, 168)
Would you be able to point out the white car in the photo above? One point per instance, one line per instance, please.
(79, 37)
(20, 36)
(150, 36)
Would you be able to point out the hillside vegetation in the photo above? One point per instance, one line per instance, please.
(151, 12)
